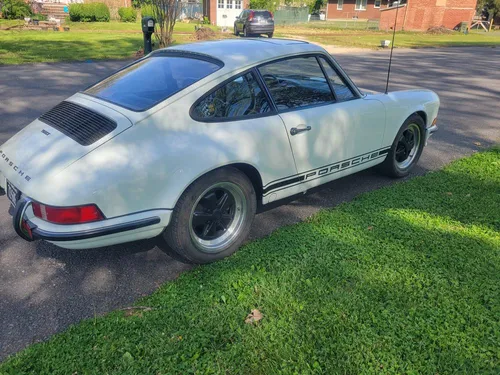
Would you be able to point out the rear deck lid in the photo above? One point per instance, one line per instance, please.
(58, 138)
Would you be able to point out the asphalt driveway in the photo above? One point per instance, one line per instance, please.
(44, 289)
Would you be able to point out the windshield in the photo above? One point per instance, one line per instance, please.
(152, 80)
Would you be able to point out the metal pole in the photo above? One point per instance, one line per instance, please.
(392, 49)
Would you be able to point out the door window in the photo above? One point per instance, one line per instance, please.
(342, 91)
(297, 82)
(239, 98)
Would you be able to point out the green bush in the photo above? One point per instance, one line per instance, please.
(101, 12)
(40, 17)
(92, 12)
(147, 11)
(140, 3)
(15, 9)
(127, 14)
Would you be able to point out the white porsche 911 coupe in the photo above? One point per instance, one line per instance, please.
(185, 144)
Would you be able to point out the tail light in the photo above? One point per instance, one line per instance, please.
(67, 215)
(272, 16)
(250, 17)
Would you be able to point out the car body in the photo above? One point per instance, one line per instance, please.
(254, 22)
(259, 119)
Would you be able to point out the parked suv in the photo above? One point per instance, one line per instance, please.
(254, 22)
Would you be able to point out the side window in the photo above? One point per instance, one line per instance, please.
(342, 91)
(296, 82)
(240, 97)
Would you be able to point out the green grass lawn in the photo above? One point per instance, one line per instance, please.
(115, 40)
(330, 35)
(402, 280)
(84, 41)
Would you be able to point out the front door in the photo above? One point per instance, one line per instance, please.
(327, 123)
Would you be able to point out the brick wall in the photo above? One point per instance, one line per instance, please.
(349, 10)
(421, 15)
(387, 18)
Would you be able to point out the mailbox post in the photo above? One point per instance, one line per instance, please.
(148, 27)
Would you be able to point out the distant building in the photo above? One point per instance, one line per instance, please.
(348, 9)
(420, 15)
(223, 12)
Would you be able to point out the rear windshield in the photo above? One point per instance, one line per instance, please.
(262, 13)
(152, 80)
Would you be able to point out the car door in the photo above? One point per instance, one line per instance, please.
(330, 126)
(241, 20)
(242, 126)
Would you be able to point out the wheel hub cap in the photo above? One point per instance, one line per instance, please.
(407, 147)
(217, 217)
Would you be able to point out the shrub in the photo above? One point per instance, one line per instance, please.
(15, 9)
(147, 11)
(40, 17)
(101, 12)
(127, 14)
(92, 12)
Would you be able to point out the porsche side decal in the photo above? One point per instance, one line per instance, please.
(324, 171)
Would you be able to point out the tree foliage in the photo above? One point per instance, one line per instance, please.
(15, 9)
(493, 6)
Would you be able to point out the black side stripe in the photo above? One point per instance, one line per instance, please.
(326, 170)
(381, 150)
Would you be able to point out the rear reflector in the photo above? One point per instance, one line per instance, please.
(67, 215)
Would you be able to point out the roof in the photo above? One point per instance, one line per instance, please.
(237, 53)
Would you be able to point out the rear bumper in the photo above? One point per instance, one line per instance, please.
(3, 185)
(429, 131)
(260, 29)
(91, 235)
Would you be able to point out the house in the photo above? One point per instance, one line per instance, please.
(420, 15)
(348, 9)
(224, 12)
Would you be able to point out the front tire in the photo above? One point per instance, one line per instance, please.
(406, 148)
(212, 217)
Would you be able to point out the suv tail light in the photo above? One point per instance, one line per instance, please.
(251, 16)
(272, 16)
(67, 215)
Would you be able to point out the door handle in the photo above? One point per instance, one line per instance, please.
(295, 131)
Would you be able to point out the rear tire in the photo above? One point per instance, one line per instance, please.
(406, 148)
(211, 219)
(270, 35)
(245, 32)
(236, 32)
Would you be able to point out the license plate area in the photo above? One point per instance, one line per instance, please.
(13, 194)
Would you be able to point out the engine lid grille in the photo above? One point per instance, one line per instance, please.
(79, 123)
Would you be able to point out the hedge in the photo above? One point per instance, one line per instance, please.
(15, 9)
(147, 11)
(127, 14)
(92, 12)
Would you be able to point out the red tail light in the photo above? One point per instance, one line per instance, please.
(272, 15)
(67, 215)
(250, 17)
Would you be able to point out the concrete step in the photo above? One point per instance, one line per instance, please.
(54, 10)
